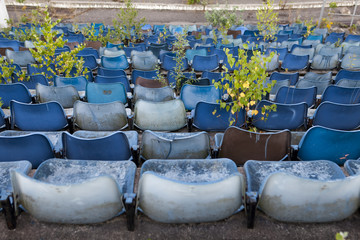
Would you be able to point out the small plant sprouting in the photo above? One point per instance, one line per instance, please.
(267, 20)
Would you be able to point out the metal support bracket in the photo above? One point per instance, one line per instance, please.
(252, 199)
(129, 201)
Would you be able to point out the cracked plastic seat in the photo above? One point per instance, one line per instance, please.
(22, 58)
(65, 95)
(145, 61)
(160, 145)
(158, 94)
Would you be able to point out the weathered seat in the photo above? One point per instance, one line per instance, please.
(65, 95)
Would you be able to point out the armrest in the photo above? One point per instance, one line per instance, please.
(8, 209)
(252, 199)
(189, 123)
(129, 202)
(131, 121)
(135, 152)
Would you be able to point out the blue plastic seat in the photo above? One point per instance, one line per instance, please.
(348, 83)
(337, 116)
(106, 92)
(22, 58)
(208, 47)
(14, 91)
(347, 74)
(145, 61)
(118, 46)
(118, 62)
(287, 95)
(34, 147)
(172, 80)
(86, 72)
(128, 50)
(286, 116)
(324, 62)
(344, 95)
(211, 117)
(89, 51)
(192, 94)
(190, 53)
(62, 49)
(281, 37)
(212, 76)
(114, 147)
(294, 77)
(36, 69)
(48, 116)
(350, 61)
(315, 37)
(111, 72)
(78, 82)
(329, 144)
(140, 73)
(295, 63)
(169, 63)
(352, 38)
(14, 44)
(32, 81)
(352, 167)
(122, 79)
(205, 63)
(156, 48)
(252, 33)
(280, 51)
(89, 61)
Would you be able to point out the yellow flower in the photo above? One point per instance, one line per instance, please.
(255, 112)
(246, 84)
(242, 95)
(252, 103)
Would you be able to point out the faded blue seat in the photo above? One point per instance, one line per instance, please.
(161, 145)
(337, 116)
(89, 60)
(114, 147)
(154, 94)
(14, 44)
(351, 83)
(298, 185)
(205, 63)
(33, 147)
(190, 53)
(128, 50)
(114, 79)
(48, 116)
(109, 116)
(208, 47)
(300, 51)
(350, 61)
(156, 48)
(211, 117)
(14, 91)
(190, 191)
(58, 182)
(145, 61)
(335, 37)
(65, 95)
(118, 62)
(352, 38)
(295, 63)
(311, 79)
(329, 144)
(345, 95)
(89, 51)
(118, 46)
(323, 62)
(352, 167)
(289, 95)
(22, 58)
(140, 73)
(294, 77)
(111, 72)
(286, 116)
(105, 92)
(347, 74)
(160, 116)
(78, 82)
(192, 94)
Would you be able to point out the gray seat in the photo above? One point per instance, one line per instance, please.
(22, 58)
(65, 95)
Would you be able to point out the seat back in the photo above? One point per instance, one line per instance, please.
(89, 60)
(192, 94)
(15, 91)
(169, 63)
(118, 62)
(65, 95)
(351, 61)
(337, 116)
(34, 147)
(347, 74)
(78, 82)
(160, 116)
(111, 72)
(294, 77)
(114, 79)
(298, 51)
(48, 116)
(159, 94)
(293, 62)
(241, 145)
(322, 62)
(348, 83)
(329, 144)
(151, 83)
(160, 145)
(145, 74)
(105, 92)
(279, 51)
(22, 58)
(289, 95)
(205, 63)
(33, 69)
(145, 61)
(100, 116)
(286, 116)
(345, 95)
(113, 147)
(211, 117)
(32, 81)
(190, 53)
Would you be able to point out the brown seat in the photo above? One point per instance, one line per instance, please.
(241, 145)
(72, 45)
(151, 83)
(93, 44)
(235, 33)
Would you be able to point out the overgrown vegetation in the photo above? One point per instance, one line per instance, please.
(267, 20)
(223, 19)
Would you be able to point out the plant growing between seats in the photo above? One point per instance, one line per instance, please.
(267, 20)
(247, 84)
(44, 51)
